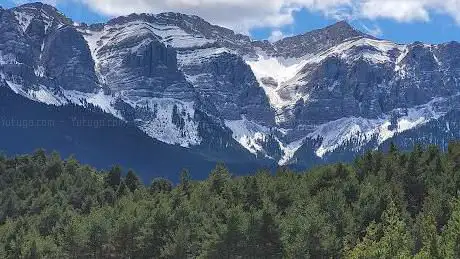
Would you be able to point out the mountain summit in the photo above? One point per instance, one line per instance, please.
(320, 96)
(317, 40)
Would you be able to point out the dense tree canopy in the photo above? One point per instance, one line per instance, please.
(384, 205)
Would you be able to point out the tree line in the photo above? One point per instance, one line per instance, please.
(383, 205)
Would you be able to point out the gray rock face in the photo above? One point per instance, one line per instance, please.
(67, 61)
(325, 94)
(47, 49)
(338, 89)
(341, 87)
(44, 12)
(16, 59)
(143, 65)
(229, 89)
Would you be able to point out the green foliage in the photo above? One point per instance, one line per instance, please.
(394, 205)
(388, 239)
(132, 181)
(160, 185)
(451, 236)
(113, 178)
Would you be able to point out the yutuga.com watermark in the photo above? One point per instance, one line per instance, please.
(74, 122)
(103, 123)
(25, 123)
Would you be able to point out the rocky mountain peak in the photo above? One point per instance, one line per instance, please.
(342, 27)
(25, 13)
(38, 6)
(191, 24)
(317, 40)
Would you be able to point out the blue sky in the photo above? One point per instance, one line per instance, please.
(440, 28)
(427, 21)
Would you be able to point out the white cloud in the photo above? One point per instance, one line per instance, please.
(375, 31)
(50, 2)
(277, 35)
(403, 11)
(243, 15)
(406, 10)
(240, 15)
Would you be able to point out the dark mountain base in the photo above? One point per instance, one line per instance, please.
(96, 138)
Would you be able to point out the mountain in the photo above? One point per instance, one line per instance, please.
(322, 96)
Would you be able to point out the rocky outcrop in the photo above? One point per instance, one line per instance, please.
(41, 46)
(16, 60)
(228, 87)
(66, 60)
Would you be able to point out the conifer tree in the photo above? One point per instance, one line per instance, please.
(132, 181)
(389, 239)
(451, 237)
(113, 178)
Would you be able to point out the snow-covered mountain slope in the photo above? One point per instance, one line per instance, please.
(336, 133)
(186, 82)
(137, 62)
(358, 90)
(281, 76)
(141, 57)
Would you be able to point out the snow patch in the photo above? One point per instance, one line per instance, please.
(378, 55)
(249, 134)
(24, 19)
(45, 96)
(99, 99)
(93, 39)
(277, 73)
(289, 150)
(40, 94)
(337, 133)
(170, 121)
(8, 58)
(170, 35)
(272, 73)
(253, 136)
(39, 71)
(16, 88)
(278, 68)
(398, 67)
(162, 125)
(197, 56)
(62, 97)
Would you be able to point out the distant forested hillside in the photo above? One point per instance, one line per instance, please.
(384, 205)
